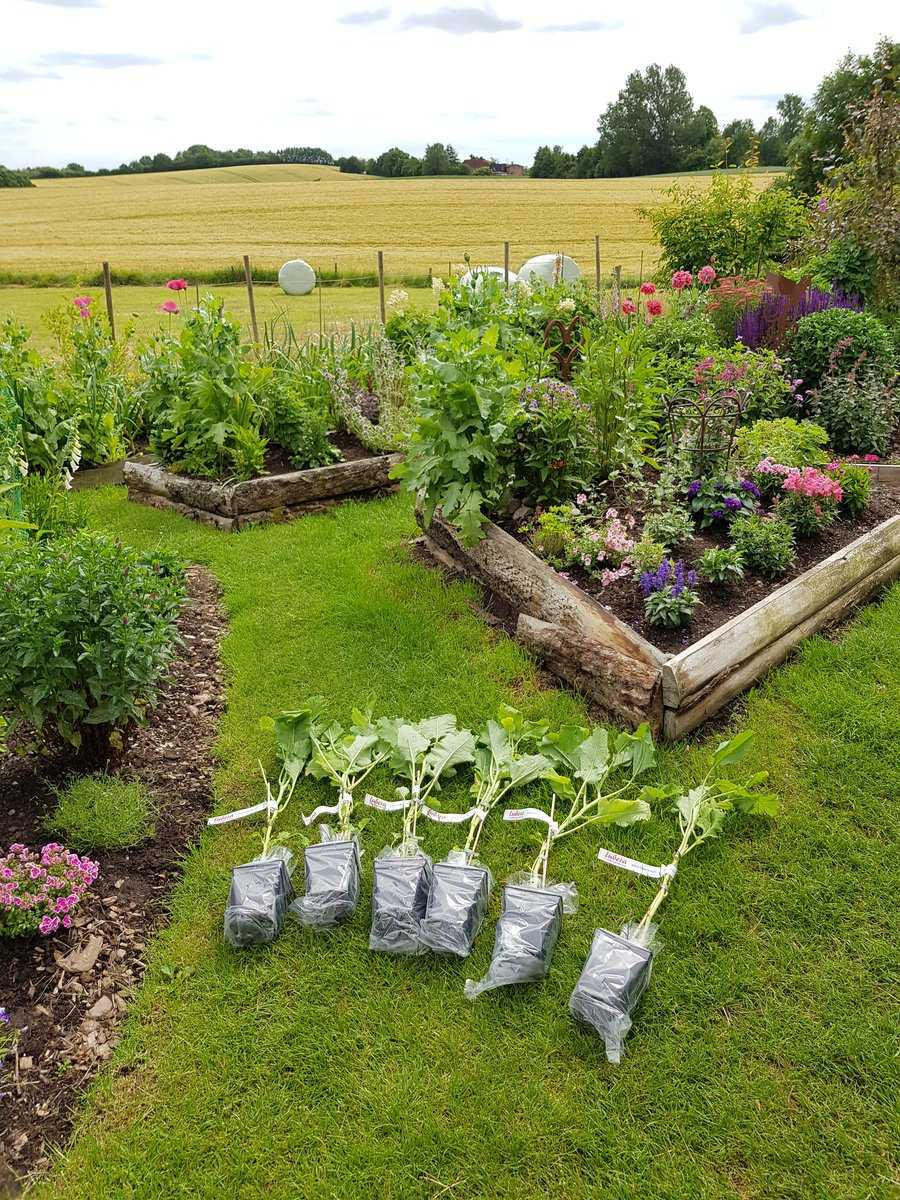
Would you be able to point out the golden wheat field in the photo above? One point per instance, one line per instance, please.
(184, 221)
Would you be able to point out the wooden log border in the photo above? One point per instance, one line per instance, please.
(233, 506)
(580, 641)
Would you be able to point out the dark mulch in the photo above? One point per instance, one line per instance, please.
(72, 1006)
(278, 462)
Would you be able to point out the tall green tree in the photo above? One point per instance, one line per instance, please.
(740, 134)
(649, 129)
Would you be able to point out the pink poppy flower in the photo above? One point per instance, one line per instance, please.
(82, 302)
(170, 307)
(177, 285)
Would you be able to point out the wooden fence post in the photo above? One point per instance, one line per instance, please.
(107, 287)
(617, 287)
(597, 258)
(506, 264)
(249, 281)
(381, 307)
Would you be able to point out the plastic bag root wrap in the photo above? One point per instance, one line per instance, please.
(524, 940)
(457, 903)
(258, 900)
(332, 878)
(612, 982)
(400, 885)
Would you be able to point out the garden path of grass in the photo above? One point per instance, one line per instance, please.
(760, 1065)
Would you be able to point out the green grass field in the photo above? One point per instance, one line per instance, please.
(761, 1064)
(340, 307)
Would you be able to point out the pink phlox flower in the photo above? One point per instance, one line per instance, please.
(648, 288)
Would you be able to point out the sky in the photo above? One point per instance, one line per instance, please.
(105, 81)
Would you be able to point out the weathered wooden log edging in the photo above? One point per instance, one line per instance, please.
(886, 475)
(268, 497)
(582, 642)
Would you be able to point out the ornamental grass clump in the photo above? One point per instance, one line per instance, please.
(39, 892)
(593, 779)
(618, 967)
(670, 594)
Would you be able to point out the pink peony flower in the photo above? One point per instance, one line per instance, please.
(706, 275)
(629, 307)
(681, 280)
(170, 307)
(654, 307)
(177, 285)
(647, 289)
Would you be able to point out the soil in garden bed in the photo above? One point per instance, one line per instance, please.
(624, 598)
(71, 990)
(278, 460)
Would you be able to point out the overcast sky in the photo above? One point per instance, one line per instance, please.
(102, 81)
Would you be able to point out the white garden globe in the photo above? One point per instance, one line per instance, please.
(297, 277)
(543, 268)
(473, 278)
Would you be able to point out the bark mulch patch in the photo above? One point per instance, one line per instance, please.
(71, 990)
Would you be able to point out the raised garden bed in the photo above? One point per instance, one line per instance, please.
(580, 640)
(277, 496)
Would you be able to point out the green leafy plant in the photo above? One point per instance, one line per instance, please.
(346, 758)
(87, 629)
(459, 456)
(647, 555)
(704, 810)
(766, 544)
(552, 459)
(49, 508)
(859, 408)
(785, 441)
(618, 384)
(670, 527)
(593, 780)
(554, 534)
(36, 421)
(102, 812)
(670, 594)
(423, 753)
(856, 486)
(807, 516)
(720, 501)
(834, 341)
(294, 745)
(722, 567)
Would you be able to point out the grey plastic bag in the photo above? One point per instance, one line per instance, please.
(258, 900)
(612, 982)
(332, 876)
(400, 884)
(524, 940)
(457, 903)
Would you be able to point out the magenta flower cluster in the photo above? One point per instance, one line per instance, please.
(39, 891)
(806, 481)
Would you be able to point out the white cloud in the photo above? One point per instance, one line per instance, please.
(766, 16)
(460, 20)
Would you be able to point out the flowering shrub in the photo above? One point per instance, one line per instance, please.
(669, 594)
(722, 567)
(766, 544)
(837, 341)
(809, 498)
(566, 537)
(552, 438)
(731, 296)
(721, 500)
(757, 381)
(87, 629)
(785, 441)
(858, 408)
(39, 892)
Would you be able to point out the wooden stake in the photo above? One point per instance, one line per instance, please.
(381, 307)
(597, 258)
(248, 278)
(642, 267)
(506, 264)
(617, 287)
(107, 287)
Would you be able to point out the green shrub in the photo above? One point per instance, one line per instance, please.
(551, 457)
(647, 555)
(102, 812)
(554, 535)
(30, 397)
(678, 337)
(87, 629)
(670, 527)
(856, 485)
(722, 567)
(758, 377)
(786, 441)
(859, 409)
(296, 399)
(807, 517)
(831, 342)
(728, 223)
(766, 544)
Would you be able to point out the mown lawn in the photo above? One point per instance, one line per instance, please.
(761, 1064)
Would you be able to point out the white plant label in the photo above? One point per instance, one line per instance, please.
(321, 811)
(451, 818)
(531, 814)
(384, 805)
(637, 868)
(240, 813)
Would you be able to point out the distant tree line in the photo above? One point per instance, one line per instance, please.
(10, 178)
(193, 159)
(395, 163)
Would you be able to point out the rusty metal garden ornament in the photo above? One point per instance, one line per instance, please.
(569, 345)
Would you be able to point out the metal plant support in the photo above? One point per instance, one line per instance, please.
(569, 346)
(704, 428)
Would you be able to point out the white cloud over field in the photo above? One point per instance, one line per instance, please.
(102, 81)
